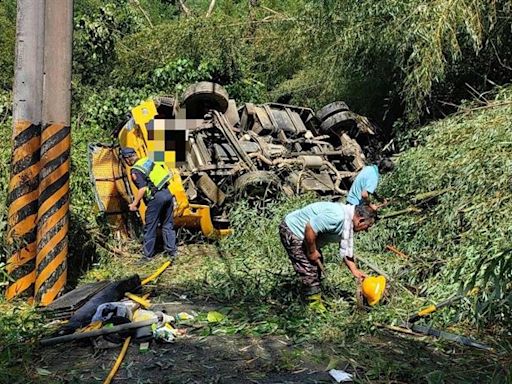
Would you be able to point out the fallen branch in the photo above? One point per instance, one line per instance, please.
(184, 8)
(422, 197)
(490, 105)
(397, 329)
(210, 8)
(397, 252)
(388, 278)
(418, 330)
(144, 13)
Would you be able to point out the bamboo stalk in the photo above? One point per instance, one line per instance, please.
(388, 278)
(411, 209)
(396, 251)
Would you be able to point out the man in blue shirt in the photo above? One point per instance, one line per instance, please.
(304, 232)
(366, 183)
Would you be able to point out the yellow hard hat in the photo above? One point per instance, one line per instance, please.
(373, 288)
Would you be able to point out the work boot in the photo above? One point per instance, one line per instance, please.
(170, 255)
(315, 303)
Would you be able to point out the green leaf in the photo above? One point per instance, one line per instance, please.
(43, 372)
(215, 317)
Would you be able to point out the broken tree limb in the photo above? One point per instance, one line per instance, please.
(417, 330)
(422, 197)
(184, 8)
(137, 3)
(210, 8)
(98, 332)
(388, 278)
(391, 248)
(397, 329)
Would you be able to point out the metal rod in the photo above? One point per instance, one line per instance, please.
(24, 181)
(433, 308)
(98, 332)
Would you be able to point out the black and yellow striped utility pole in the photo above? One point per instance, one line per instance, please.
(23, 192)
(53, 213)
(39, 184)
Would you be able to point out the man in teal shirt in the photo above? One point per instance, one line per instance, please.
(366, 183)
(304, 232)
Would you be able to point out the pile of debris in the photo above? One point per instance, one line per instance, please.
(109, 314)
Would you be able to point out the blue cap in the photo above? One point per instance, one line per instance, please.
(128, 152)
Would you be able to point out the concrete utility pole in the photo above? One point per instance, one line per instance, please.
(53, 213)
(39, 185)
(24, 181)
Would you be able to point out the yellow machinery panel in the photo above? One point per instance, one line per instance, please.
(107, 177)
(109, 181)
(134, 134)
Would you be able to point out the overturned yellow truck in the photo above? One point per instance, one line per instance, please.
(250, 151)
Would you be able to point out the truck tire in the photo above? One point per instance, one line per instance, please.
(200, 97)
(167, 101)
(331, 109)
(258, 187)
(339, 122)
(254, 178)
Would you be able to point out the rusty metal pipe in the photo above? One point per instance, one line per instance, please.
(338, 178)
(262, 158)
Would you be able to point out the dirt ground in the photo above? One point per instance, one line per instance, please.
(219, 358)
(208, 354)
(192, 358)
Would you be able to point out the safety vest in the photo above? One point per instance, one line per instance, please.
(156, 175)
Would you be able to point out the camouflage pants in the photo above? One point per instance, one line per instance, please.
(309, 274)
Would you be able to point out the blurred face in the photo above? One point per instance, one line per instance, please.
(360, 224)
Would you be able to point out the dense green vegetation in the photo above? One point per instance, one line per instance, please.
(401, 62)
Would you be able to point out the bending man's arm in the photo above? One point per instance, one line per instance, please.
(366, 200)
(350, 263)
(138, 197)
(310, 239)
(347, 252)
(365, 196)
